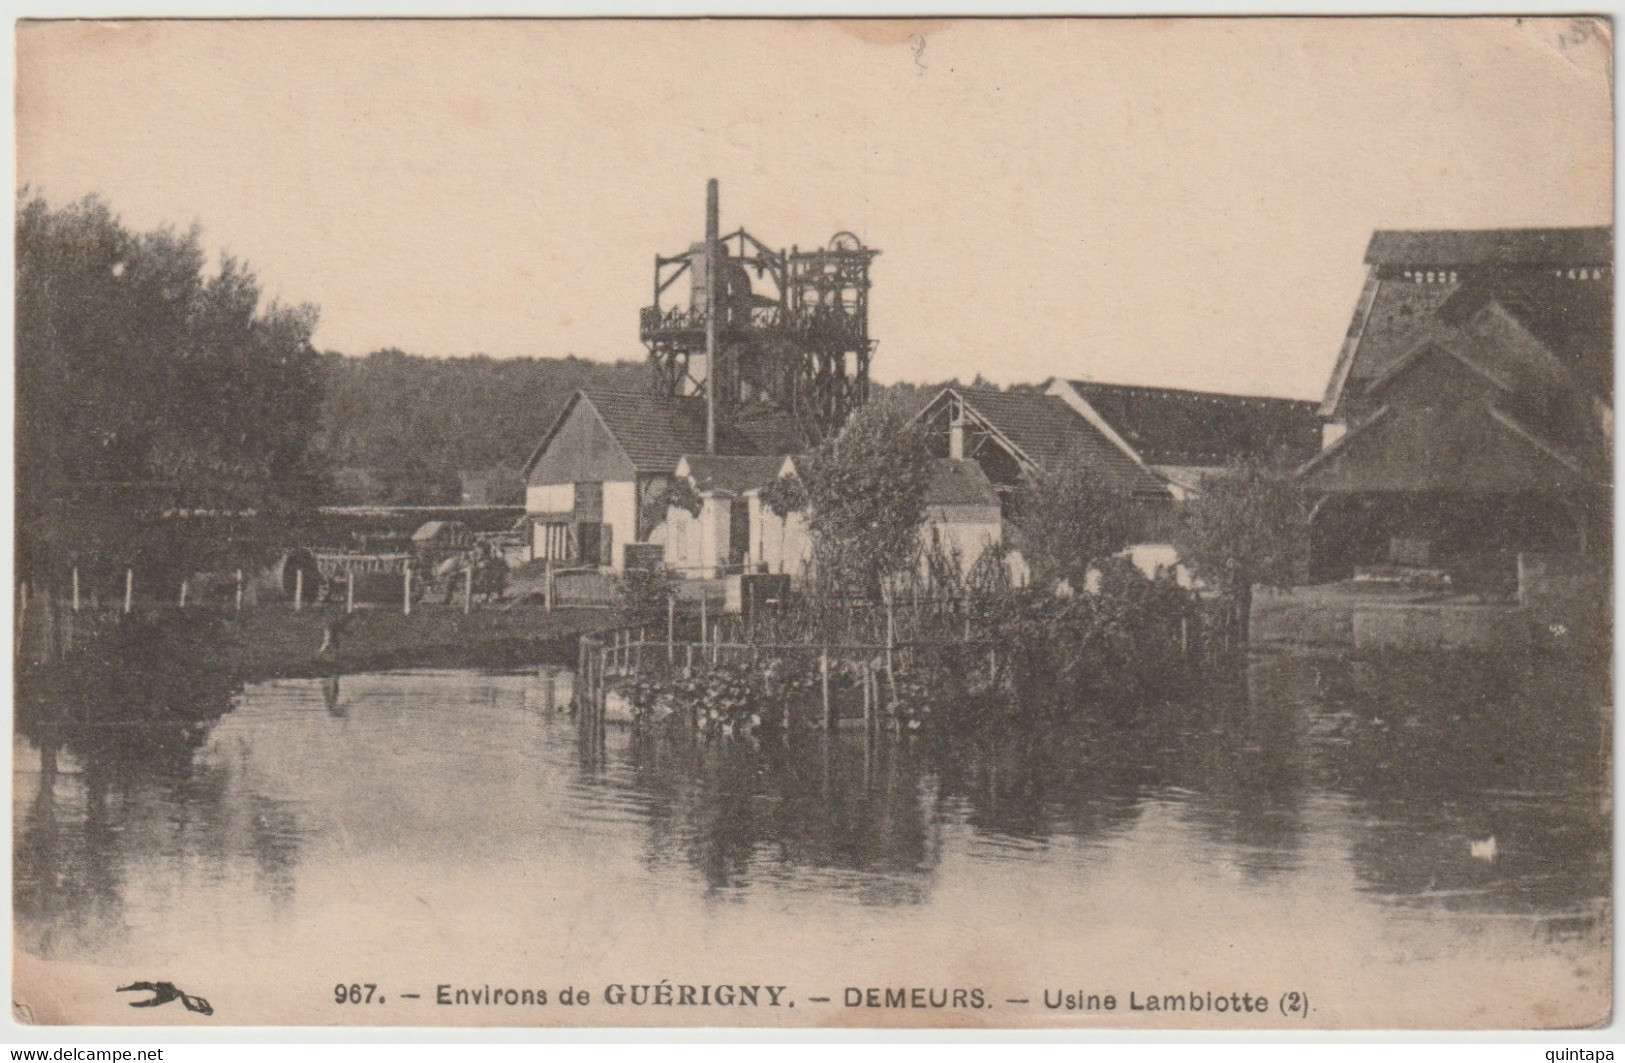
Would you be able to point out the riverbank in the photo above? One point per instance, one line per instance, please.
(277, 641)
(282, 643)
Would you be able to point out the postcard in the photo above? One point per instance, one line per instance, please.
(1057, 523)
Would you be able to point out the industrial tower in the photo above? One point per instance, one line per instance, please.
(794, 346)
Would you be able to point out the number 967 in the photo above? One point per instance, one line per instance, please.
(354, 993)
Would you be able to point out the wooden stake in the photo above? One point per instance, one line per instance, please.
(671, 629)
(239, 590)
(823, 675)
(868, 701)
(547, 590)
(468, 591)
(704, 598)
(891, 637)
(76, 588)
(183, 593)
(406, 597)
(129, 590)
(298, 589)
(349, 590)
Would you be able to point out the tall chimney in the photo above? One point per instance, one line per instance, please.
(712, 229)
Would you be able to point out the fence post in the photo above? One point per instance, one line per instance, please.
(891, 636)
(76, 588)
(671, 629)
(406, 596)
(239, 590)
(547, 585)
(298, 589)
(129, 590)
(823, 675)
(868, 701)
(603, 699)
(705, 597)
(349, 588)
(183, 593)
(468, 591)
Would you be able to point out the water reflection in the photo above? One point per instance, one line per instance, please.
(830, 804)
(1361, 783)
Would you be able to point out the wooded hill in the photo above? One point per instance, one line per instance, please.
(398, 428)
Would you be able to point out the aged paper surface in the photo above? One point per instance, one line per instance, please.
(242, 797)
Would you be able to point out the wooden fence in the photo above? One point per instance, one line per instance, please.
(636, 653)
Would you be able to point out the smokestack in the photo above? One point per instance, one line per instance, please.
(712, 264)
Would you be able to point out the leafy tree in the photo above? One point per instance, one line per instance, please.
(1069, 518)
(866, 492)
(1247, 527)
(145, 383)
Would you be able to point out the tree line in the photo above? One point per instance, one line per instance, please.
(148, 384)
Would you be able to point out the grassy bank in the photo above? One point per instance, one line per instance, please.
(279, 642)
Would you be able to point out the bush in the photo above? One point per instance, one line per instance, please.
(643, 593)
(1118, 646)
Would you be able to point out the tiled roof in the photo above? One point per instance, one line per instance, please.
(959, 483)
(1172, 426)
(654, 430)
(1399, 315)
(1572, 320)
(1479, 247)
(1049, 432)
(733, 472)
(657, 430)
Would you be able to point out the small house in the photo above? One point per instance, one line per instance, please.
(598, 480)
(717, 529)
(962, 515)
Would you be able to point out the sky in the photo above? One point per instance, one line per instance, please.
(1160, 201)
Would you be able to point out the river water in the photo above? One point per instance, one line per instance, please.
(1318, 827)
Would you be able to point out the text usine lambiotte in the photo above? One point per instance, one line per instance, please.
(759, 995)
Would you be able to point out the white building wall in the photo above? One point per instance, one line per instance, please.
(782, 544)
(621, 514)
(683, 542)
(714, 528)
(967, 529)
(550, 498)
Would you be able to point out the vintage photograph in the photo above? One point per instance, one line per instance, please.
(1052, 523)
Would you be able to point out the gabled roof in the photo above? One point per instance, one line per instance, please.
(1439, 344)
(1174, 426)
(734, 473)
(1045, 432)
(959, 483)
(1480, 247)
(1525, 271)
(653, 430)
(1475, 448)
